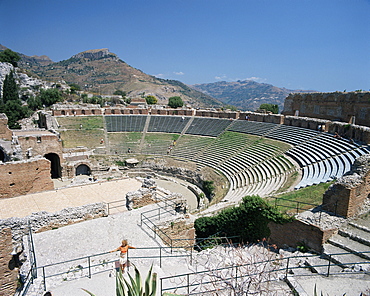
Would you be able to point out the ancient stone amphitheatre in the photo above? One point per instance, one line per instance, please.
(64, 199)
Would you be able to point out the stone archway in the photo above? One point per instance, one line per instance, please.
(55, 168)
(83, 169)
(2, 155)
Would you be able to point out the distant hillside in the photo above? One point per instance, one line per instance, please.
(246, 94)
(102, 72)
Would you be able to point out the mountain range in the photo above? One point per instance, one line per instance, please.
(246, 94)
(101, 72)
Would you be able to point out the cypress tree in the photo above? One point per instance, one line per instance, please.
(10, 88)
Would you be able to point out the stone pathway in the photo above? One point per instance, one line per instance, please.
(56, 200)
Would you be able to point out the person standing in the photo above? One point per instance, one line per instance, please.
(123, 248)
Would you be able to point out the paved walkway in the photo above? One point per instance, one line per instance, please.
(56, 200)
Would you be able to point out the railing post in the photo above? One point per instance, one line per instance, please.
(161, 286)
(328, 272)
(88, 259)
(287, 267)
(160, 258)
(43, 277)
(297, 207)
(141, 219)
(159, 213)
(188, 284)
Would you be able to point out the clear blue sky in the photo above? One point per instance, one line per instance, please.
(308, 44)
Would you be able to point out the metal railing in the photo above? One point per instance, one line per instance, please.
(147, 218)
(87, 266)
(32, 273)
(232, 277)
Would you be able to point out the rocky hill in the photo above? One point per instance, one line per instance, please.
(102, 72)
(246, 94)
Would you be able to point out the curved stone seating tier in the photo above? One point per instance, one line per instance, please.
(240, 150)
(167, 124)
(291, 134)
(127, 123)
(208, 126)
(252, 127)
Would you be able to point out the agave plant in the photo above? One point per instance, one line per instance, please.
(134, 286)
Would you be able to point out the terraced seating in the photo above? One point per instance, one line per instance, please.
(167, 124)
(189, 146)
(208, 126)
(324, 158)
(251, 164)
(252, 127)
(291, 134)
(157, 143)
(125, 123)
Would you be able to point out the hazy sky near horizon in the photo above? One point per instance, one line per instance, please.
(319, 45)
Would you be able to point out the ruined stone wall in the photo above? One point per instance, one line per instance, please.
(5, 132)
(40, 144)
(8, 274)
(347, 195)
(12, 231)
(340, 106)
(293, 233)
(260, 117)
(24, 177)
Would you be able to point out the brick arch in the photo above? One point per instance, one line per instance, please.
(55, 167)
(82, 169)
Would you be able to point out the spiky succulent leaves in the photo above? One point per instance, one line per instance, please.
(91, 294)
(134, 286)
(120, 284)
(150, 283)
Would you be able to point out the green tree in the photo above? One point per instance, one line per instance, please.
(34, 103)
(151, 100)
(49, 96)
(270, 107)
(10, 88)
(74, 88)
(10, 104)
(119, 92)
(9, 56)
(175, 102)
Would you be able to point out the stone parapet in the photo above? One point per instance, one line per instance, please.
(298, 232)
(347, 195)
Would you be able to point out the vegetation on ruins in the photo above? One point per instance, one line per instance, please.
(247, 222)
(93, 100)
(175, 102)
(270, 108)
(151, 100)
(208, 188)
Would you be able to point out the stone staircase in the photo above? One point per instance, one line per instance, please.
(355, 240)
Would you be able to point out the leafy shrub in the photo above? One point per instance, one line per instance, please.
(248, 221)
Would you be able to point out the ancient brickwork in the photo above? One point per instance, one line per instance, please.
(332, 106)
(8, 274)
(39, 143)
(5, 132)
(24, 177)
(298, 232)
(346, 196)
